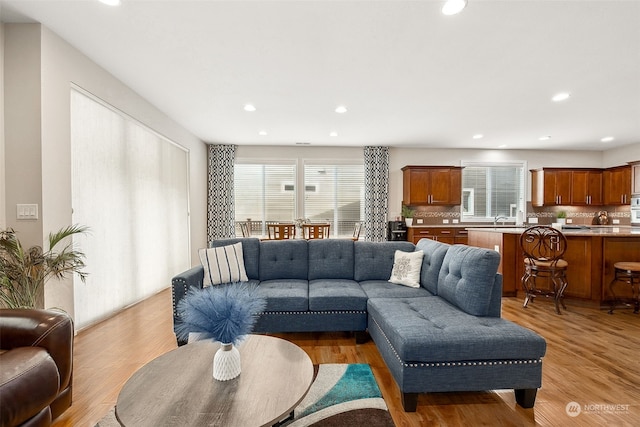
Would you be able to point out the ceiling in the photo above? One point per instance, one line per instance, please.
(408, 75)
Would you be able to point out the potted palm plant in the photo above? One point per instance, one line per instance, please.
(23, 272)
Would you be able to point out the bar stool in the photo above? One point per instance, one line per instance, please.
(627, 272)
(543, 248)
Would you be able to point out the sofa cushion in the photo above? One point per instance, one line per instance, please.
(384, 289)
(336, 294)
(250, 251)
(432, 330)
(284, 294)
(223, 264)
(467, 278)
(284, 259)
(406, 268)
(434, 253)
(330, 259)
(374, 260)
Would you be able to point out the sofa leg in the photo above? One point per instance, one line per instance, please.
(526, 397)
(362, 337)
(410, 402)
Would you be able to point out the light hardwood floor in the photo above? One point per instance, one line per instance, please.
(592, 359)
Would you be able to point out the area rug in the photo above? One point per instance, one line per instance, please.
(341, 395)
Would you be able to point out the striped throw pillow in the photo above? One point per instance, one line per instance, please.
(223, 265)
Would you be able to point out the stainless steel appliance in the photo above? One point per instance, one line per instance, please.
(635, 209)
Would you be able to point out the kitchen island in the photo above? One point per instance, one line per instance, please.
(591, 253)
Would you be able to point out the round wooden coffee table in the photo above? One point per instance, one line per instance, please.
(178, 388)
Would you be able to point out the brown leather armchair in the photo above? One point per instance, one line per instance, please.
(36, 365)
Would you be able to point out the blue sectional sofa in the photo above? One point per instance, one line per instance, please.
(444, 335)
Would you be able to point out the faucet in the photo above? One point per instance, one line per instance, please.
(498, 218)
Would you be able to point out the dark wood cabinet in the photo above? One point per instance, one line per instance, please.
(431, 185)
(616, 185)
(450, 235)
(586, 187)
(556, 186)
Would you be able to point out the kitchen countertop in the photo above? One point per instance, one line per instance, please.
(591, 230)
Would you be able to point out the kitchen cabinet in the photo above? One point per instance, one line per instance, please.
(556, 186)
(431, 185)
(586, 187)
(616, 185)
(550, 187)
(450, 235)
(635, 178)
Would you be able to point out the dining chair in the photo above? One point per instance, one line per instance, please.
(315, 231)
(356, 231)
(281, 231)
(244, 229)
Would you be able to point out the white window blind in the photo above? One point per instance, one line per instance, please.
(492, 189)
(264, 193)
(334, 194)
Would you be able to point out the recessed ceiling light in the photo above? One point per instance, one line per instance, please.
(562, 96)
(452, 7)
(607, 139)
(341, 109)
(249, 107)
(478, 136)
(110, 2)
(262, 133)
(333, 134)
(545, 138)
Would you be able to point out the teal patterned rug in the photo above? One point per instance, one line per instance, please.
(341, 395)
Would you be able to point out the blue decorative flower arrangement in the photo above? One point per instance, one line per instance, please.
(223, 313)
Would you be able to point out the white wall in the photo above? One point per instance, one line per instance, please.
(44, 125)
(621, 155)
(3, 212)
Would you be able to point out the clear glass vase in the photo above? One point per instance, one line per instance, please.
(226, 363)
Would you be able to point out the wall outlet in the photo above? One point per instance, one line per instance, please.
(455, 221)
(496, 248)
(533, 220)
(569, 221)
(616, 221)
(419, 221)
(445, 221)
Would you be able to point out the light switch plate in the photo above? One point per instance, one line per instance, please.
(533, 220)
(455, 221)
(616, 221)
(569, 221)
(419, 221)
(445, 221)
(27, 211)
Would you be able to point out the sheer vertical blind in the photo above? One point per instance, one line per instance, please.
(130, 186)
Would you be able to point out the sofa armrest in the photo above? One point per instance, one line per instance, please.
(49, 329)
(181, 283)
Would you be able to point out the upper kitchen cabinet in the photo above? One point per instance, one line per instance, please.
(554, 186)
(617, 185)
(586, 187)
(550, 187)
(635, 177)
(432, 185)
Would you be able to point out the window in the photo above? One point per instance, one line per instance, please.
(334, 194)
(264, 192)
(281, 192)
(491, 190)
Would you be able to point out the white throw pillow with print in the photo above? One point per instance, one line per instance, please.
(224, 264)
(406, 268)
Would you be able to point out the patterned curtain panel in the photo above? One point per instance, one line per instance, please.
(376, 192)
(220, 205)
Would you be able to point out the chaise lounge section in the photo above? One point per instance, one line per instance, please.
(444, 335)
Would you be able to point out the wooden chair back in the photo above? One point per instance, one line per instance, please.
(281, 231)
(315, 231)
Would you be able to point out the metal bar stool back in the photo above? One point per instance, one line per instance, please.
(627, 272)
(543, 248)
